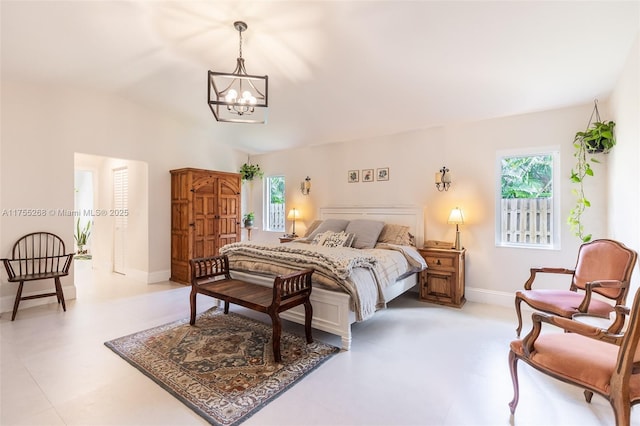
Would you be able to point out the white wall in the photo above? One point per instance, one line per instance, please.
(469, 151)
(624, 182)
(42, 128)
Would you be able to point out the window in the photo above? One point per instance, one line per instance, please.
(274, 203)
(527, 203)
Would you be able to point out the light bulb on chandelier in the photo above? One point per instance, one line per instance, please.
(246, 104)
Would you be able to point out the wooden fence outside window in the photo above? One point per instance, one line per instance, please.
(276, 217)
(527, 220)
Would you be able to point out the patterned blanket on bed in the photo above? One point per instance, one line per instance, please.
(334, 267)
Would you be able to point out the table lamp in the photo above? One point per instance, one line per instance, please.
(456, 218)
(294, 214)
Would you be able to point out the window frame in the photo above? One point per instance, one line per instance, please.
(267, 203)
(554, 151)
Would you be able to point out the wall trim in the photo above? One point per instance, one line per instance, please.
(490, 297)
(158, 276)
(148, 277)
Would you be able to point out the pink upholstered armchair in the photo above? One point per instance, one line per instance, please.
(603, 267)
(597, 360)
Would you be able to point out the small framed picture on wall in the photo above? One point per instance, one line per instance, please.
(353, 176)
(382, 174)
(367, 175)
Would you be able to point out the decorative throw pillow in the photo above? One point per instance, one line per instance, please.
(366, 232)
(318, 240)
(396, 234)
(335, 239)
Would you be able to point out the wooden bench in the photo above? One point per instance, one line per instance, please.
(38, 256)
(210, 276)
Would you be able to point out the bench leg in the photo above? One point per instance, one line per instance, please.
(226, 307)
(192, 302)
(277, 333)
(308, 314)
(17, 301)
(60, 294)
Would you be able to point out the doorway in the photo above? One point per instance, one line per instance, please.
(119, 214)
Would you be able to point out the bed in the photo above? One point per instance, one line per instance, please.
(350, 284)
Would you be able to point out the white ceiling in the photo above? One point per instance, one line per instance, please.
(338, 70)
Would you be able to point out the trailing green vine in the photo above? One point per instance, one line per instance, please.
(599, 137)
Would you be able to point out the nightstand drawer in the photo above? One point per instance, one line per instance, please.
(439, 262)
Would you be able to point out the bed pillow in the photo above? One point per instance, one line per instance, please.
(396, 234)
(333, 225)
(314, 225)
(366, 232)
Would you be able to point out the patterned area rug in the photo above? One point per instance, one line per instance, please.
(222, 368)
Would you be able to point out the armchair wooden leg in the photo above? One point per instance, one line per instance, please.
(621, 409)
(277, 334)
(17, 301)
(588, 395)
(513, 368)
(308, 314)
(519, 314)
(192, 302)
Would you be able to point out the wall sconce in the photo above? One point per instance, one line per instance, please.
(305, 187)
(456, 218)
(443, 179)
(294, 214)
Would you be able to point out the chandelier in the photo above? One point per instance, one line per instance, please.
(238, 97)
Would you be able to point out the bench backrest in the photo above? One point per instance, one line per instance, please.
(38, 253)
(209, 268)
(291, 285)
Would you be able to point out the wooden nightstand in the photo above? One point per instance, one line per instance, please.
(287, 239)
(443, 280)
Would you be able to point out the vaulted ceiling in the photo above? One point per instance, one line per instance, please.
(338, 70)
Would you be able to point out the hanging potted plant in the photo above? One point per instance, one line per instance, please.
(598, 138)
(249, 172)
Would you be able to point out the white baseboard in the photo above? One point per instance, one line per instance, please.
(6, 302)
(490, 297)
(158, 276)
(148, 277)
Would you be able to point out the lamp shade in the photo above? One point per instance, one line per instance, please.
(456, 217)
(294, 214)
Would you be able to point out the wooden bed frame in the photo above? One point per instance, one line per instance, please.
(331, 309)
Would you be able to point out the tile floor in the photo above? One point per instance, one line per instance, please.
(412, 364)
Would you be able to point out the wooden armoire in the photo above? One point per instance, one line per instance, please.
(205, 215)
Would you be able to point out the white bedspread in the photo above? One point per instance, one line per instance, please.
(363, 274)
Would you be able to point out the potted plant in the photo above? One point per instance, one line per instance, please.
(248, 172)
(82, 236)
(248, 219)
(598, 138)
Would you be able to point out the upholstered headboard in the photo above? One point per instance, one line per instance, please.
(412, 217)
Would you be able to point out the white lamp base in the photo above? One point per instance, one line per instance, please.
(457, 244)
